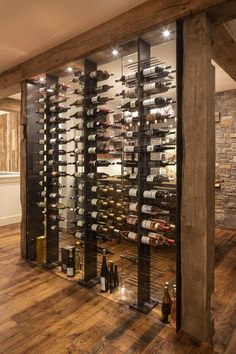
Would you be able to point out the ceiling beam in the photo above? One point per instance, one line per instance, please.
(10, 105)
(134, 22)
(224, 50)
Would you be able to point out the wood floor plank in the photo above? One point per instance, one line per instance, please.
(41, 312)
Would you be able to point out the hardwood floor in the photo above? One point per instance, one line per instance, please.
(43, 313)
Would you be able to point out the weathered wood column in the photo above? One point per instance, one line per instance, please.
(198, 174)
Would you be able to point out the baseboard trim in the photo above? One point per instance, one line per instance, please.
(7, 220)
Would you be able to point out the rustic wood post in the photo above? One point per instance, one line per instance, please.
(198, 174)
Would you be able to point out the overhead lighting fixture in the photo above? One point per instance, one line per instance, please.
(166, 33)
(69, 69)
(130, 60)
(115, 52)
(42, 79)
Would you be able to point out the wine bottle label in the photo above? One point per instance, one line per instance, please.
(41, 110)
(53, 130)
(146, 208)
(41, 131)
(129, 77)
(149, 87)
(92, 137)
(50, 163)
(90, 112)
(41, 173)
(41, 163)
(43, 194)
(94, 188)
(129, 148)
(146, 224)
(70, 271)
(133, 192)
(145, 240)
(92, 150)
(133, 206)
(131, 220)
(91, 175)
(94, 214)
(81, 211)
(80, 223)
(103, 284)
(150, 148)
(78, 174)
(52, 195)
(150, 178)
(149, 71)
(41, 121)
(81, 199)
(148, 194)
(132, 104)
(42, 89)
(41, 142)
(129, 134)
(94, 227)
(94, 201)
(132, 236)
(149, 102)
(90, 124)
(80, 186)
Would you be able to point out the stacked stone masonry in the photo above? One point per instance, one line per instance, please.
(225, 201)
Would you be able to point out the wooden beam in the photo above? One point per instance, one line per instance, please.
(223, 12)
(23, 181)
(198, 173)
(136, 21)
(224, 50)
(9, 105)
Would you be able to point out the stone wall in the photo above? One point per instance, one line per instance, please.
(225, 200)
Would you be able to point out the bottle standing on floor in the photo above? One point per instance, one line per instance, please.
(166, 306)
(104, 274)
(173, 306)
(70, 267)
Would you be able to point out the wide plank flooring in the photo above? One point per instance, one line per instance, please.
(41, 312)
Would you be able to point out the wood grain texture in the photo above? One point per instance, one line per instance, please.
(121, 28)
(61, 317)
(224, 50)
(10, 141)
(197, 205)
(10, 105)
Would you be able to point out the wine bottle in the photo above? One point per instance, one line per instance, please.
(103, 88)
(160, 133)
(53, 184)
(41, 110)
(104, 274)
(166, 306)
(157, 87)
(57, 130)
(96, 175)
(78, 126)
(157, 117)
(128, 78)
(133, 236)
(41, 121)
(157, 179)
(97, 100)
(98, 150)
(58, 109)
(98, 124)
(77, 151)
(78, 138)
(56, 217)
(159, 102)
(57, 206)
(157, 71)
(58, 98)
(116, 277)
(153, 210)
(58, 119)
(99, 75)
(78, 198)
(55, 174)
(158, 148)
(70, 267)
(111, 277)
(78, 114)
(52, 141)
(128, 92)
(79, 102)
(99, 163)
(98, 136)
(58, 87)
(98, 112)
(129, 105)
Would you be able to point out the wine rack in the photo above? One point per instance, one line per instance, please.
(131, 210)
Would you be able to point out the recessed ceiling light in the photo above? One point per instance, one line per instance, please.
(130, 60)
(115, 52)
(69, 69)
(42, 79)
(166, 33)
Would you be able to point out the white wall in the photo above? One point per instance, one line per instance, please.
(10, 208)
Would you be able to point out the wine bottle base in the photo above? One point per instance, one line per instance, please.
(146, 307)
(89, 283)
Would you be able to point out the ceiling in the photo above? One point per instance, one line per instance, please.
(31, 27)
